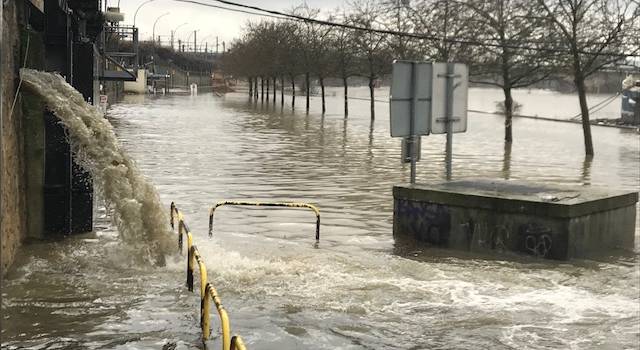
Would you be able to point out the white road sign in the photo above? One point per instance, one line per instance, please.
(402, 94)
(439, 98)
(428, 98)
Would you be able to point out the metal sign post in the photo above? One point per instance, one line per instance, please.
(449, 107)
(427, 98)
(412, 122)
(449, 117)
(410, 107)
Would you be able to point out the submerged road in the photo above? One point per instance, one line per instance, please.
(358, 289)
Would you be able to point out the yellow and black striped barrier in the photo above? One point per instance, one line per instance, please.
(208, 293)
(265, 204)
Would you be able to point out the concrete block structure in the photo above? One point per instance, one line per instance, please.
(555, 222)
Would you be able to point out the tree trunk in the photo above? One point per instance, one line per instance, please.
(293, 92)
(255, 88)
(308, 89)
(346, 98)
(268, 81)
(506, 161)
(582, 97)
(324, 106)
(262, 89)
(250, 87)
(508, 114)
(372, 95)
(281, 91)
(584, 109)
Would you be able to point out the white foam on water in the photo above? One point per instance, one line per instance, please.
(132, 199)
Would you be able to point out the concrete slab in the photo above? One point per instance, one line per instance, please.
(550, 221)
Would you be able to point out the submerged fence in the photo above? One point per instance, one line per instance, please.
(208, 293)
(266, 204)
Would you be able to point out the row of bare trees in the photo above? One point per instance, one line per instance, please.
(507, 43)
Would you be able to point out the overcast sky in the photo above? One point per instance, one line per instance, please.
(210, 22)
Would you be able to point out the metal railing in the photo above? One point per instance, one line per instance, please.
(208, 293)
(265, 204)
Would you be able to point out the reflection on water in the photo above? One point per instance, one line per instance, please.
(586, 170)
(506, 163)
(359, 289)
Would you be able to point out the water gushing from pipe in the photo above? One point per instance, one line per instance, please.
(137, 211)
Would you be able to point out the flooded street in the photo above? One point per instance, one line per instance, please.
(358, 289)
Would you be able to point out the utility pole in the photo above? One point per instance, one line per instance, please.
(217, 45)
(195, 47)
(173, 35)
(223, 48)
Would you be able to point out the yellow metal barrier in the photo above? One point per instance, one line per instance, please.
(237, 343)
(207, 292)
(265, 204)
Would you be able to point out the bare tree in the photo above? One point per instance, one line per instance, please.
(242, 61)
(446, 23)
(371, 45)
(512, 59)
(292, 57)
(594, 34)
(322, 59)
(312, 36)
(399, 16)
(343, 60)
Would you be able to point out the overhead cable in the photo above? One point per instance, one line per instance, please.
(421, 36)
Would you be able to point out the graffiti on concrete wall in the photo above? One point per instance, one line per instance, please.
(432, 223)
(429, 222)
(532, 238)
(494, 237)
(535, 239)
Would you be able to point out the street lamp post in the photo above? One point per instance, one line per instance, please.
(153, 35)
(173, 33)
(136, 13)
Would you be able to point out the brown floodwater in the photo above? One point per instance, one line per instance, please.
(357, 289)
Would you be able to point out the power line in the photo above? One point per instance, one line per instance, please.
(282, 15)
(231, 9)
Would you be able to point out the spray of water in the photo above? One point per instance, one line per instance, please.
(136, 207)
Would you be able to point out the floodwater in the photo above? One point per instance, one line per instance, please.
(357, 289)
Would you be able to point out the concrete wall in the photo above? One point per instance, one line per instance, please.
(13, 216)
(514, 217)
(589, 234)
(481, 230)
(34, 155)
(139, 86)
